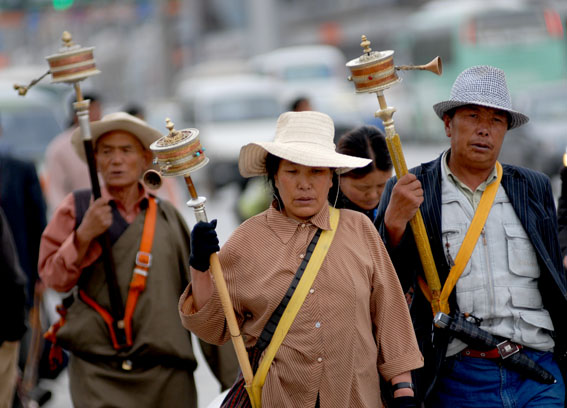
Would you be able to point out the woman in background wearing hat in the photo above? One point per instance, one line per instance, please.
(156, 368)
(513, 283)
(361, 188)
(353, 324)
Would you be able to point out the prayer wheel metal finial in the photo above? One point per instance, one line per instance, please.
(365, 44)
(171, 126)
(67, 39)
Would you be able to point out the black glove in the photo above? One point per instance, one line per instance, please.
(405, 402)
(204, 242)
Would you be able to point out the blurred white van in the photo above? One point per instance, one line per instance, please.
(230, 110)
(319, 73)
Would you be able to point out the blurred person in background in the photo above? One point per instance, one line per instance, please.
(511, 285)
(156, 370)
(360, 189)
(135, 110)
(301, 104)
(22, 200)
(64, 170)
(353, 324)
(562, 215)
(13, 303)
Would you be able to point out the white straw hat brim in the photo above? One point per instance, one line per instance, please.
(252, 160)
(116, 121)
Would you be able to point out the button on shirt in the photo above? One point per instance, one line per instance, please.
(354, 320)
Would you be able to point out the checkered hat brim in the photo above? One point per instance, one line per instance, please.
(485, 86)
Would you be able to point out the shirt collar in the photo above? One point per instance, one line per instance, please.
(285, 227)
(141, 201)
(447, 173)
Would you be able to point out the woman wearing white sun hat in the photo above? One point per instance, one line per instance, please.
(353, 324)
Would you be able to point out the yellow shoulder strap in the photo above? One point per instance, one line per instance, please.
(319, 253)
(467, 247)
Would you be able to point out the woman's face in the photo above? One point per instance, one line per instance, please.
(365, 192)
(302, 189)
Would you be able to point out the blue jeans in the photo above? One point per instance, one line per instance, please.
(469, 382)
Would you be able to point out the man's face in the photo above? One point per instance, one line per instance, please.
(121, 158)
(476, 133)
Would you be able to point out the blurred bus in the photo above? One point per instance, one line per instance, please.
(525, 39)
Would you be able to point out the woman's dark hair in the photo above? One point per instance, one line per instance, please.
(91, 96)
(297, 102)
(367, 142)
(272, 166)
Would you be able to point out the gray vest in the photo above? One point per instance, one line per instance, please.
(499, 283)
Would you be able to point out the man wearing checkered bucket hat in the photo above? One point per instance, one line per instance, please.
(493, 235)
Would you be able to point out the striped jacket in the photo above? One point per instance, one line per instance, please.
(531, 196)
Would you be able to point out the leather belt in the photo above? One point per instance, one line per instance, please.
(502, 350)
(138, 363)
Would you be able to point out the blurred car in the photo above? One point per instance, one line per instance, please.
(230, 110)
(30, 122)
(540, 143)
(319, 73)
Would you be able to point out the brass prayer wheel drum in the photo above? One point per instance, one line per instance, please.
(73, 63)
(375, 71)
(179, 152)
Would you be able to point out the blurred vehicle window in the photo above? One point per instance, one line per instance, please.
(245, 108)
(318, 73)
(30, 122)
(304, 62)
(26, 132)
(230, 109)
(508, 27)
(435, 43)
(540, 143)
(306, 72)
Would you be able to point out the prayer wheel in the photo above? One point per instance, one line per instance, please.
(179, 152)
(374, 70)
(72, 63)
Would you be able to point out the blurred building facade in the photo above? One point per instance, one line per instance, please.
(145, 47)
(140, 45)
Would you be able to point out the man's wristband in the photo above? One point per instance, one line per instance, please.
(399, 385)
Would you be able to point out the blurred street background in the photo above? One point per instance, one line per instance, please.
(230, 67)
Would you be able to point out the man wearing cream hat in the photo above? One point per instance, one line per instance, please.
(154, 364)
(493, 234)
